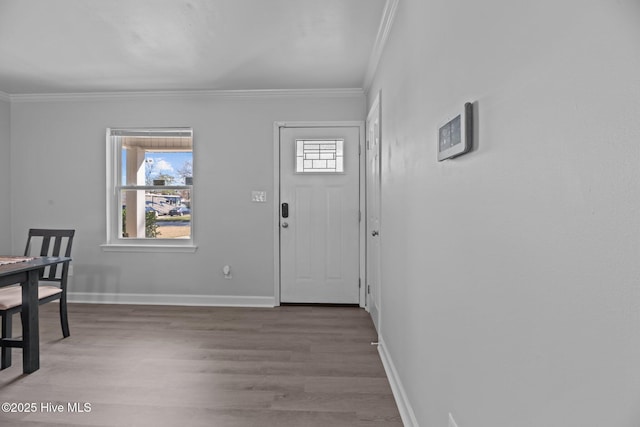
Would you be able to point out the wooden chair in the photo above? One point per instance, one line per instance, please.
(11, 297)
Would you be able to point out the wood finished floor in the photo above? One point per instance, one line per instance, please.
(204, 366)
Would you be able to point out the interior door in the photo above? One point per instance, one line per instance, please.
(319, 215)
(373, 213)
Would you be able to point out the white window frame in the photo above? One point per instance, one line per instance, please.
(114, 241)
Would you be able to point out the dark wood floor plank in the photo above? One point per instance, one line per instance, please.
(205, 366)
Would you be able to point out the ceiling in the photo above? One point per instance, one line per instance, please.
(78, 46)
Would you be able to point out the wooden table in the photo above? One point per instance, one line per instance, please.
(27, 273)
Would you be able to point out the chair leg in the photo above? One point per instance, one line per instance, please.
(6, 333)
(64, 321)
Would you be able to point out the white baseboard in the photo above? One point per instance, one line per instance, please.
(404, 405)
(171, 299)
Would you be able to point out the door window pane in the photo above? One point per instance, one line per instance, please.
(325, 156)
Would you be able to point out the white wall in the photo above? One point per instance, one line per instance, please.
(511, 275)
(59, 181)
(5, 174)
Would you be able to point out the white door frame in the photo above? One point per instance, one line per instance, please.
(375, 109)
(276, 197)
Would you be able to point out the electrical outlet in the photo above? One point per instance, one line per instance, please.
(452, 422)
(226, 270)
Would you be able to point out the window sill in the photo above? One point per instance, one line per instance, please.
(110, 247)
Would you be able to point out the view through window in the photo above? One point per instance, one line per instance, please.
(155, 183)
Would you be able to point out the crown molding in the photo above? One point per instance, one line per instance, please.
(259, 93)
(5, 96)
(386, 23)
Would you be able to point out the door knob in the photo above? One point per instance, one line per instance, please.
(285, 224)
(374, 233)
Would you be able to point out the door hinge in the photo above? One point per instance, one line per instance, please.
(368, 289)
(359, 283)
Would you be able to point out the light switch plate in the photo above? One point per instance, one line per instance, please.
(259, 196)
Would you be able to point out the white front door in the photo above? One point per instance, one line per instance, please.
(373, 213)
(319, 214)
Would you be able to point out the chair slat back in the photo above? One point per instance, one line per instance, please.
(61, 238)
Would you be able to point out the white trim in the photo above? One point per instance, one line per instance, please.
(170, 299)
(107, 247)
(404, 405)
(375, 105)
(386, 23)
(263, 93)
(276, 210)
(333, 124)
(5, 96)
(362, 185)
(276, 190)
(112, 242)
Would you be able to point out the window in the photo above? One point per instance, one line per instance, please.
(319, 156)
(150, 189)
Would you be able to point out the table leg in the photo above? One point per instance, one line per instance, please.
(30, 324)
